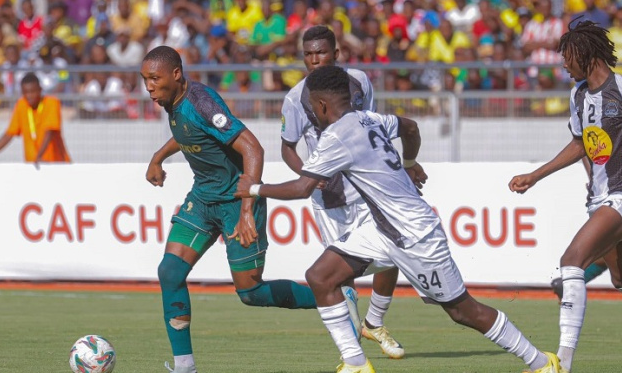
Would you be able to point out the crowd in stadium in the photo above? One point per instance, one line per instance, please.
(119, 32)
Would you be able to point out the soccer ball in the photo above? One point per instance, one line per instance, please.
(92, 354)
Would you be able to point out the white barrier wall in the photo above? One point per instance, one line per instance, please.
(104, 221)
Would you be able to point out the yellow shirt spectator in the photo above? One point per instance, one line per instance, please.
(242, 22)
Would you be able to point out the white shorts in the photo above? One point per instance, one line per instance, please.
(613, 200)
(427, 265)
(334, 223)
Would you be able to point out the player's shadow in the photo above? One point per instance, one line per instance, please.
(454, 354)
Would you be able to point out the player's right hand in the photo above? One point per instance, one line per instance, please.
(521, 183)
(156, 174)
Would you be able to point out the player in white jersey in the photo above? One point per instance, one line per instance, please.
(596, 127)
(404, 231)
(338, 208)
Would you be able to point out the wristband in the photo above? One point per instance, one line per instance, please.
(408, 163)
(254, 190)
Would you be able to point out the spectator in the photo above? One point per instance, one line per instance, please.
(37, 119)
(103, 37)
(11, 77)
(269, 33)
(125, 19)
(594, 14)
(463, 16)
(243, 83)
(301, 17)
(444, 42)
(30, 26)
(99, 12)
(79, 11)
(551, 105)
(242, 18)
(346, 42)
(414, 13)
(52, 63)
(289, 78)
(540, 38)
(100, 85)
(125, 52)
(64, 28)
(398, 42)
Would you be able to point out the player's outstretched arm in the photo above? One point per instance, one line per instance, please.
(155, 173)
(252, 158)
(294, 189)
(573, 152)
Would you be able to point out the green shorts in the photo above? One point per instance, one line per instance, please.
(198, 225)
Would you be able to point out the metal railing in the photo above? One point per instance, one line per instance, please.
(469, 125)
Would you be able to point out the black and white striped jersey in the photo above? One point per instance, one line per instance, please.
(596, 118)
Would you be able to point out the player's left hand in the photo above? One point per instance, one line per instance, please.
(245, 230)
(417, 175)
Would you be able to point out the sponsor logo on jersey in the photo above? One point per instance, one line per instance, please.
(597, 144)
(611, 109)
(282, 123)
(190, 206)
(190, 148)
(173, 123)
(366, 122)
(186, 130)
(219, 120)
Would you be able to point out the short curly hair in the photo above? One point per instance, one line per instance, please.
(166, 55)
(320, 32)
(329, 78)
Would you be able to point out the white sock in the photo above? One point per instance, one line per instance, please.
(506, 335)
(337, 320)
(571, 313)
(378, 307)
(184, 360)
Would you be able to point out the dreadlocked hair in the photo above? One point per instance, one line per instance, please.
(329, 78)
(586, 42)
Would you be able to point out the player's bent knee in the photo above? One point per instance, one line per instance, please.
(258, 295)
(178, 324)
(313, 278)
(172, 272)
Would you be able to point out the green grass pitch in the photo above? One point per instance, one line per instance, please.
(37, 330)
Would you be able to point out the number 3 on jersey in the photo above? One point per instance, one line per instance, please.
(387, 146)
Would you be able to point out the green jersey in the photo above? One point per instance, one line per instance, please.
(204, 128)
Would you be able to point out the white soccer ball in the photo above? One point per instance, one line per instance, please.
(92, 354)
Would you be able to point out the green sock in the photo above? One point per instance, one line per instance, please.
(594, 270)
(278, 293)
(172, 273)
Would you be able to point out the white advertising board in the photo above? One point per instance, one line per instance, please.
(105, 222)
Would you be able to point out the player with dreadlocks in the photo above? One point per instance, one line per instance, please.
(596, 127)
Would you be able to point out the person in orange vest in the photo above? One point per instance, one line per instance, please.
(37, 118)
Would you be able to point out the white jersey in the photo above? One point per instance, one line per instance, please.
(596, 117)
(359, 146)
(299, 121)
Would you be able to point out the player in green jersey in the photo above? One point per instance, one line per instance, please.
(218, 148)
